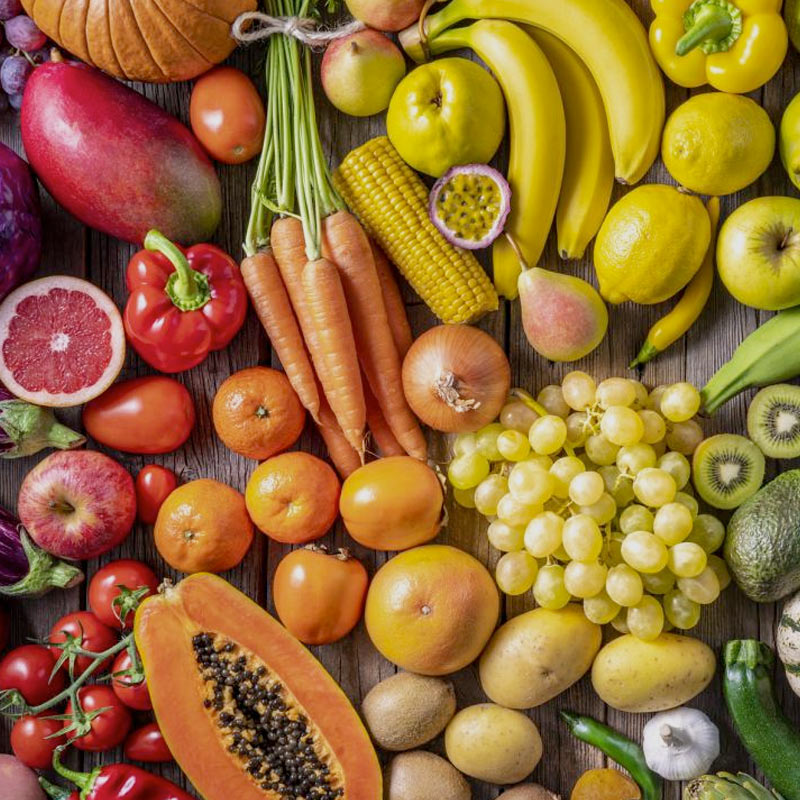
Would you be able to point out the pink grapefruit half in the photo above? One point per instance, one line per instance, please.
(61, 341)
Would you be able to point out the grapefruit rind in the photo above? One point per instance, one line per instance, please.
(104, 303)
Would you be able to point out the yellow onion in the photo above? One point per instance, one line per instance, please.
(456, 378)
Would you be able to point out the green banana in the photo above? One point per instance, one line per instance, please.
(770, 354)
(724, 786)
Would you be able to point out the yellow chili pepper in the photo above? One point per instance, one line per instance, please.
(735, 45)
(671, 327)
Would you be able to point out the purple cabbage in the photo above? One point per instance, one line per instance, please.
(20, 221)
(26, 429)
(25, 569)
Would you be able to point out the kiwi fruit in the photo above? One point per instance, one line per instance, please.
(405, 710)
(773, 421)
(727, 469)
(527, 791)
(420, 775)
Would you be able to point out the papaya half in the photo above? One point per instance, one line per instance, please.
(248, 712)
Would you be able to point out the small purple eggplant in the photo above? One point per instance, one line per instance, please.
(25, 569)
(26, 429)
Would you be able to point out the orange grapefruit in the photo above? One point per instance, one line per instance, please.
(61, 341)
(431, 610)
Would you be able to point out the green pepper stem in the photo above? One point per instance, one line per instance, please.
(647, 353)
(53, 791)
(711, 25)
(83, 780)
(187, 288)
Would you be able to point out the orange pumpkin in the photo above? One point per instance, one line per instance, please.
(157, 41)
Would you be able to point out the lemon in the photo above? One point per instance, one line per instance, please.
(650, 244)
(717, 143)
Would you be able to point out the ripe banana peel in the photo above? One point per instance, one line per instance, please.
(771, 354)
(537, 137)
(610, 40)
(589, 168)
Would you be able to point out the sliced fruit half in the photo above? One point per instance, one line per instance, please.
(469, 205)
(61, 341)
(727, 469)
(773, 420)
(248, 712)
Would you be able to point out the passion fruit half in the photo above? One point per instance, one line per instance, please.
(469, 205)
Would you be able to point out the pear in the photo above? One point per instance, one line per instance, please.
(564, 317)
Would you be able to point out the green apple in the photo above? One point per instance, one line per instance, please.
(790, 140)
(360, 72)
(758, 253)
(446, 113)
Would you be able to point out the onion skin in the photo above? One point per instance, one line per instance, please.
(456, 378)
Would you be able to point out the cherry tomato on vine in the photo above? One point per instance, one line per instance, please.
(130, 688)
(147, 744)
(33, 740)
(109, 728)
(154, 483)
(27, 669)
(112, 605)
(227, 115)
(89, 632)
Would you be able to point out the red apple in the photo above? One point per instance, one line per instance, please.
(386, 15)
(77, 504)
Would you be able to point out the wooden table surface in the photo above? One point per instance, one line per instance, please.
(73, 249)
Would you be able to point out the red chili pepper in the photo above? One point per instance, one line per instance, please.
(147, 744)
(118, 781)
(183, 303)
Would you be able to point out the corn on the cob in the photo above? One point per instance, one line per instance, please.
(392, 203)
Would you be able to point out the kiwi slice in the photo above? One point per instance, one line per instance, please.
(727, 469)
(773, 420)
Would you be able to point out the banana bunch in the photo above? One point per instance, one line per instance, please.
(724, 786)
(770, 354)
(608, 94)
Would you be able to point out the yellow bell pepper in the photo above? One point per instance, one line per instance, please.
(735, 45)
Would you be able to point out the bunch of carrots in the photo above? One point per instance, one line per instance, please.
(324, 293)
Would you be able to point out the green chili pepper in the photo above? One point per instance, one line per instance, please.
(625, 752)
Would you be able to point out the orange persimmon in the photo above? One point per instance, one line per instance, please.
(319, 596)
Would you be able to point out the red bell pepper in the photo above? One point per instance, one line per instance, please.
(183, 303)
(120, 781)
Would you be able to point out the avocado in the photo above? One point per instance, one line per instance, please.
(762, 545)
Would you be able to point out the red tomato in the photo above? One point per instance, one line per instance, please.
(87, 629)
(109, 727)
(28, 670)
(227, 115)
(5, 627)
(147, 744)
(31, 742)
(114, 589)
(132, 688)
(154, 414)
(153, 484)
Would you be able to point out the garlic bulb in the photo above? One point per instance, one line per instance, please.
(681, 744)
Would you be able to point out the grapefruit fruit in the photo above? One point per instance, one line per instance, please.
(431, 610)
(61, 341)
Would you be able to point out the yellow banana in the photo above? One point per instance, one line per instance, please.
(610, 40)
(589, 168)
(537, 137)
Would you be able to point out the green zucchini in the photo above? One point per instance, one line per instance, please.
(762, 726)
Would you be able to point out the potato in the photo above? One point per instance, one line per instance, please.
(493, 744)
(632, 675)
(605, 784)
(537, 655)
